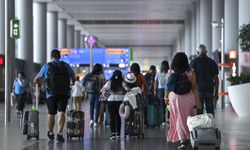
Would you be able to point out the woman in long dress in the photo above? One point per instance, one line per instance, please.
(181, 106)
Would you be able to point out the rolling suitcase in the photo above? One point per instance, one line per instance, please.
(153, 116)
(154, 111)
(205, 139)
(75, 124)
(31, 120)
(134, 125)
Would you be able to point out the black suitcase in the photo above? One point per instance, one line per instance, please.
(134, 125)
(75, 124)
(31, 121)
(205, 139)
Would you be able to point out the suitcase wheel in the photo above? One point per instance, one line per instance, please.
(37, 137)
(217, 148)
(195, 148)
(28, 137)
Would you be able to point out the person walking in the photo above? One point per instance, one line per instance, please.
(93, 83)
(58, 75)
(159, 86)
(77, 94)
(19, 88)
(183, 104)
(114, 85)
(206, 71)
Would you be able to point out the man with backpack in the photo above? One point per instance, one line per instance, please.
(206, 71)
(58, 75)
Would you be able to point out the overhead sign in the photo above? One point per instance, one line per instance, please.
(105, 56)
(15, 29)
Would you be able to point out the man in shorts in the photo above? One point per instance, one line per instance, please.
(56, 102)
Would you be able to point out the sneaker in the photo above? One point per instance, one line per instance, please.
(91, 123)
(163, 124)
(96, 124)
(118, 135)
(51, 136)
(59, 138)
(112, 136)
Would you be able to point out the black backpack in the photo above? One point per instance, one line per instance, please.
(182, 84)
(93, 84)
(58, 81)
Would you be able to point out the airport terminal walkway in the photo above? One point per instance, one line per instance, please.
(235, 135)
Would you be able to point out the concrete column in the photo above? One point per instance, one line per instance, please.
(82, 41)
(244, 18)
(70, 36)
(9, 47)
(77, 39)
(231, 25)
(25, 43)
(187, 33)
(193, 29)
(205, 24)
(217, 14)
(40, 34)
(62, 33)
(52, 32)
(197, 23)
(2, 26)
(182, 41)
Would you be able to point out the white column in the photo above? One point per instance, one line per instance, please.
(187, 33)
(25, 43)
(217, 14)
(205, 24)
(182, 41)
(40, 34)
(82, 41)
(62, 33)
(77, 39)
(244, 18)
(197, 23)
(52, 32)
(70, 36)
(2, 27)
(231, 25)
(193, 29)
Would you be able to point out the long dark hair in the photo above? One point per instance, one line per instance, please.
(97, 69)
(135, 68)
(180, 63)
(164, 66)
(116, 81)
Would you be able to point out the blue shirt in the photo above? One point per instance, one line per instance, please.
(20, 89)
(44, 74)
(161, 77)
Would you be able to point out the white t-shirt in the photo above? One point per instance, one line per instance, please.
(161, 77)
(77, 89)
(118, 96)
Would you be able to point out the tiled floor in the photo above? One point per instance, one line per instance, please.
(235, 135)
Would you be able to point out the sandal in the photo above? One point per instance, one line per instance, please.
(183, 145)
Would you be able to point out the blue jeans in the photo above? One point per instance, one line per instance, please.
(94, 106)
(207, 99)
(161, 93)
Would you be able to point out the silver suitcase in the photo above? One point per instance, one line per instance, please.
(205, 139)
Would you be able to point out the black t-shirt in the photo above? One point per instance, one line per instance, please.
(205, 69)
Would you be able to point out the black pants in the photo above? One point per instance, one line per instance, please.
(20, 101)
(115, 119)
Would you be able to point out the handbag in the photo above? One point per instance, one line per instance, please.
(202, 121)
(104, 95)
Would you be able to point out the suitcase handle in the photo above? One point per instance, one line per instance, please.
(36, 95)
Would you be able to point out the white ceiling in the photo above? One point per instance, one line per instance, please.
(129, 34)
